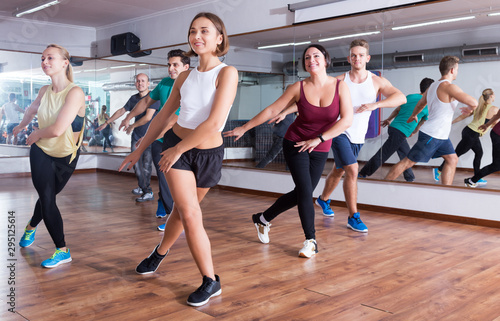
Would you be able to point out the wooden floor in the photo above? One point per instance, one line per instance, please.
(404, 269)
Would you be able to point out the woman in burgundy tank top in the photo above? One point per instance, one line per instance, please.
(324, 112)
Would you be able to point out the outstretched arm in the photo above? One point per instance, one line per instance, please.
(111, 119)
(289, 97)
(394, 97)
(393, 115)
(30, 112)
(418, 108)
(139, 108)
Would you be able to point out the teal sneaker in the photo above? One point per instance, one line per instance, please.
(161, 227)
(59, 257)
(356, 224)
(325, 206)
(482, 182)
(436, 174)
(28, 238)
(160, 210)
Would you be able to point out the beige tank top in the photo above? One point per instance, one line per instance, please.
(49, 109)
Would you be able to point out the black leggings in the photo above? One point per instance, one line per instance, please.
(50, 175)
(495, 165)
(306, 169)
(470, 140)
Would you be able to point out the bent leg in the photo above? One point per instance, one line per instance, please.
(450, 165)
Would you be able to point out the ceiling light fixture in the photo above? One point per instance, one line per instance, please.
(494, 14)
(125, 66)
(285, 45)
(350, 36)
(34, 8)
(423, 24)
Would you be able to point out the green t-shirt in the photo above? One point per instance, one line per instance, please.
(162, 92)
(405, 112)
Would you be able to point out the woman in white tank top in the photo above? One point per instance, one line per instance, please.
(205, 105)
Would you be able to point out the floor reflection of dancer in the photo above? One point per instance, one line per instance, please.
(320, 100)
(54, 152)
(471, 133)
(194, 150)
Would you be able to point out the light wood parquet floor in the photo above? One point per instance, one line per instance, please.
(405, 268)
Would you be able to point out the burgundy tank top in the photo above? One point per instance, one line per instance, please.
(496, 129)
(313, 120)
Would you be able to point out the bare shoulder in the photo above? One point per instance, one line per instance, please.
(229, 72)
(340, 77)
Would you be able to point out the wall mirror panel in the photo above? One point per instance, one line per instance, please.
(404, 56)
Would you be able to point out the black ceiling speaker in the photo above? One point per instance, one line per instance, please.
(140, 53)
(125, 43)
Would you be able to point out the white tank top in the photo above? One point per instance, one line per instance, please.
(363, 93)
(11, 113)
(197, 97)
(438, 124)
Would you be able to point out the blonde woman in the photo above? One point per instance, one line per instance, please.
(60, 108)
(472, 132)
(193, 148)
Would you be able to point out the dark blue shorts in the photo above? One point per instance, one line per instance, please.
(428, 147)
(10, 128)
(344, 152)
(206, 164)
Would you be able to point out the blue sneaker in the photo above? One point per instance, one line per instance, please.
(325, 206)
(161, 227)
(160, 210)
(28, 238)
(482, 182)
(436, 173)
(356, 224)
(59, 257)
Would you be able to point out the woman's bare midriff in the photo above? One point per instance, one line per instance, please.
(211, 142)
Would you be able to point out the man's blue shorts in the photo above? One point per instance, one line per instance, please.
(428, 147)
(344, 152)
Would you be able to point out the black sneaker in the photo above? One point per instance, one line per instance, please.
(208, 289)
(151, 263)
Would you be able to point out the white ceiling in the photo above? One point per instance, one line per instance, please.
(100, 13)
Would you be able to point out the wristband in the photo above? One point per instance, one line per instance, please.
(320, 136)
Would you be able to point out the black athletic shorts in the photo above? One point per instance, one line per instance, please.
(206, 164)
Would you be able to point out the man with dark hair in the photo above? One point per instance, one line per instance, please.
(398, 131)
(442, 98)
(177, 63)
(144, 166)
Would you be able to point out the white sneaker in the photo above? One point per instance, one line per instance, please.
(145, 197)
(262, 229)
(137, 191)
(310, 248)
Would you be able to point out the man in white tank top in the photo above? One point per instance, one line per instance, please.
(364, 87)
(442, 98)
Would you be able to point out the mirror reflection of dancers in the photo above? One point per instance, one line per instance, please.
(103, 118)
(495, 142)
(55, 147)
(319, 100)
(471, 133)
(193, 147)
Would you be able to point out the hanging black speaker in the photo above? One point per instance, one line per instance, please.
(125, 43)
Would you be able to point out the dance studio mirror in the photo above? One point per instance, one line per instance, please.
(404, 56)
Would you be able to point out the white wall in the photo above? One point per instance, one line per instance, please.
(34, 34)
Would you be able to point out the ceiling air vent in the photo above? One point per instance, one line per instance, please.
(474, 52)
(409, 58)
(340, 63)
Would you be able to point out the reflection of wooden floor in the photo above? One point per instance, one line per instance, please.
(403, 269)
(423, 174)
